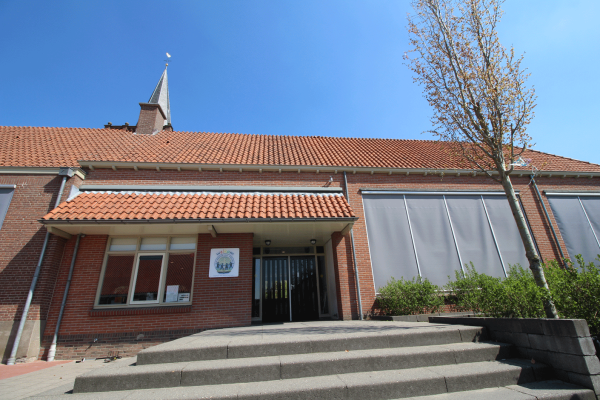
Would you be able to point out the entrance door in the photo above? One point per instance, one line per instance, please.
(290, 291)
(275, 302)
(304, 296)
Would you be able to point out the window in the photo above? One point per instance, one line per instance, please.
(6, 194)
(578, 219)
(148, 270)
(434, 235)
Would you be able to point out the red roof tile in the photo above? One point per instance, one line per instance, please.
(54, 147)
(106, 206)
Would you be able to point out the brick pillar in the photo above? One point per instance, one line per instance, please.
(152, 119)
(345, 279)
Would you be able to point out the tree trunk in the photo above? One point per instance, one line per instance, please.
(535, 263)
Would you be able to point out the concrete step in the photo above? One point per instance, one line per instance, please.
(254, 342)
(257, 369)
(374, 385)
(547, 390)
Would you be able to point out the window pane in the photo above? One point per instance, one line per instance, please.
(256, 289)
(5, 198)
(574, 226)
(390, 242)
(123, 244)
(117, 275)
(154, 244)
(323, 285)
(179, 278)
(148, 278)
(183, 243)
(289, 250)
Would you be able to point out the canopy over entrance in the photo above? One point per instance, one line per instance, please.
(287, 217)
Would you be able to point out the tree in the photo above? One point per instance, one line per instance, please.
(478, 92)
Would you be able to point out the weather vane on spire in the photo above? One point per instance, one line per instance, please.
(168, 59)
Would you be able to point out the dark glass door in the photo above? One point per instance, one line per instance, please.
(304, 296)
(275, 302)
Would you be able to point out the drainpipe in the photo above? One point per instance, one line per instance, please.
(52, 350)
(66, 172)
(360, 313)
(562, 256)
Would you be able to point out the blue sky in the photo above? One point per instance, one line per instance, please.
(324, 68)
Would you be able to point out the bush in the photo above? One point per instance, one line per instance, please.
(576, 291)
(417, 296)
(516, 296)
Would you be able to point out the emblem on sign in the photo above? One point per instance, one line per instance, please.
(224, 262)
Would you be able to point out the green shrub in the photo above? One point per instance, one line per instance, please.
(576, 291)
(516, 296)
(417, 296)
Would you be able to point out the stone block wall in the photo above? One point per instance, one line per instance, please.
(564, 344)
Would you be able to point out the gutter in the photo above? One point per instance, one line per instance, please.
(66, 173)
(360, 313)
(194, 221)
(157, 166)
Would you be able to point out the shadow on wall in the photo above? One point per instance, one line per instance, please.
(16, 275)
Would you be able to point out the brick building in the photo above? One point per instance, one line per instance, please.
(165, 233)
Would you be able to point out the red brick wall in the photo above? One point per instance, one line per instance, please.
(217, 303)
(21, 239)
(150, 119)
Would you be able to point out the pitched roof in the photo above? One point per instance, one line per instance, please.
(132, 206)
(54, 147)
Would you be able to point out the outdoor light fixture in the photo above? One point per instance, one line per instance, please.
(313, 241)
(267, 242)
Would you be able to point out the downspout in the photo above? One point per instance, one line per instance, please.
(360, 313)
(562, 255)
(36, 275)
(52, 350)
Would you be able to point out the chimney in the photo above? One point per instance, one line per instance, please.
(152, 119)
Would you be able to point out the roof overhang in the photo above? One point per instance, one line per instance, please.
(280, 232)
(158, 166)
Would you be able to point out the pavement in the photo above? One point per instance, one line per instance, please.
(31, 379)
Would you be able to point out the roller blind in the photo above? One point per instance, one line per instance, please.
(579, 231)
(387, 228)
(445, 229)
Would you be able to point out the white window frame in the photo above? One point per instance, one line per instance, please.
(160, 280)
(130, 303)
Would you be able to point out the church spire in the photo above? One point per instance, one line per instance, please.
(161, 96)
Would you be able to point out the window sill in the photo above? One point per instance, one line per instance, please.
(116, 312)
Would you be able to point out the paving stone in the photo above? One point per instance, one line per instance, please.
(231, 371)
(483, 374)
(391, 384)
(490, 393)
(192, 351)
(555, 390)
(131, 378)
(324, 387)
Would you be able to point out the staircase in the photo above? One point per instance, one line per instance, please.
(329, 360)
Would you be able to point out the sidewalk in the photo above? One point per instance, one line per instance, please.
(36, 378)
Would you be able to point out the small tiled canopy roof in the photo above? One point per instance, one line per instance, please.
(56, 147)
(177, 206)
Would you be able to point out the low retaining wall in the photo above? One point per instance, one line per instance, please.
(564, 344)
